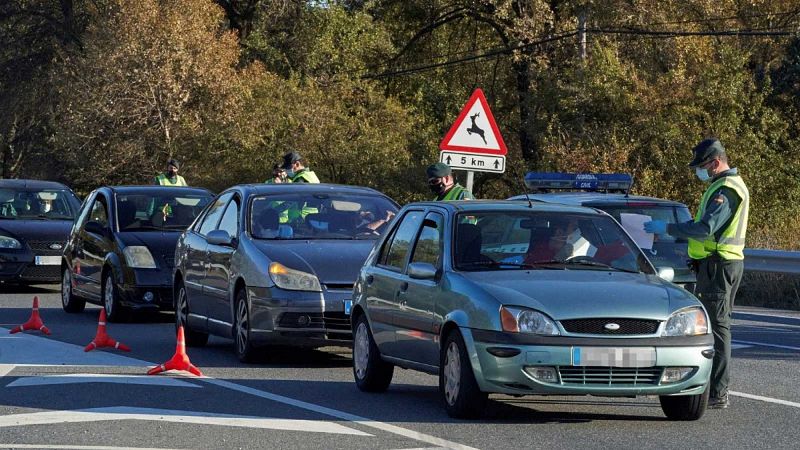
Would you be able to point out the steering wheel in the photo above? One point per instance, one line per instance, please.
(574, 257)
(366, 231)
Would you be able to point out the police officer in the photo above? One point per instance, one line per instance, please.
(278, 175)
(442, 183)
(170, 177)
(716, 248)
(296, 171)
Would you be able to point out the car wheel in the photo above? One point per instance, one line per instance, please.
(685, 407)
(193, 338)
(372, 373)
(245, 350)
(460, 392)
(69, 301)
(114, 311)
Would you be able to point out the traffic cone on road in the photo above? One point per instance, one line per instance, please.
(34, 323)
(179, 361)
(102, 339)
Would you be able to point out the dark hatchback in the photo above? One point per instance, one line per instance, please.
(35, 219)
(120, 253)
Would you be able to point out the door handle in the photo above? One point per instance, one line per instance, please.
(370, 279)
(403, 287)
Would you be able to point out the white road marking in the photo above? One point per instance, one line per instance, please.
(739, 346)
(167, 415)
(77, 447)
(389, 428)
(24, 348)
(764, 344)
(100, 378)
(765, 399)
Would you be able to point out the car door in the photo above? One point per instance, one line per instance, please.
(194, 265)
(416, 337)
(218, 269)
(96, 243)
(385, 279)
(73, 250)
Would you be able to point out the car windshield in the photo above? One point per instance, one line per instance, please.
(544, 240)
(160, 210)
(320, 216)
(667, 213)
(37, 204)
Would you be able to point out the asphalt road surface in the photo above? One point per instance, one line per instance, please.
(55, 395)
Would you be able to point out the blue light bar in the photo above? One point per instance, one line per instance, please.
(581, 181)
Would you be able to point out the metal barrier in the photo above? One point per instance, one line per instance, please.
(776, 261)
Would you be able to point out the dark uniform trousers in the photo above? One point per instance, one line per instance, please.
(717, 282)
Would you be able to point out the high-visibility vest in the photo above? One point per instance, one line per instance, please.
(457, 192)
(307, 175)
(730, 245)
(163, 180)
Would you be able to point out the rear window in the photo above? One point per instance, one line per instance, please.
(667, 213)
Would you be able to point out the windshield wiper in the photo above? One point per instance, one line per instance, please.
(143, 227)
(586, 262)
(494, 264)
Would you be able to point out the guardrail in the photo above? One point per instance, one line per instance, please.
(776, 261)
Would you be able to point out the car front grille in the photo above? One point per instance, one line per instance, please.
(41, 273)
(610, 376)
(339, 286)
(334, 322)
(598, 326)
(337, 321)
(43, 248)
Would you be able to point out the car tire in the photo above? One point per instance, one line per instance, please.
(242, 342)
(69, 301)
(371, 372)
(115, 312)
(460, 392)
(685, 407)
(193, 338)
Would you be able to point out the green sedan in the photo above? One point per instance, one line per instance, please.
(526, 298)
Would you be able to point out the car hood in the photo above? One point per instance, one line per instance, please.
(37, 230)
(572, 294)
(158, 242)
(334, 262)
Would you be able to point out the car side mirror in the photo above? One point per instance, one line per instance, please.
(220, 237)
(96, 228)
(421, 271)
(666, 273)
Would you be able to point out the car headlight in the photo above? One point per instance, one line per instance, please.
(293, 280)
(687, 322)
(9, 242)
(139, 257)
(522, 320)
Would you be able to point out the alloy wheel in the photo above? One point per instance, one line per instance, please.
(66, 288)
(182, 310)
(241, 327)
(108, 296)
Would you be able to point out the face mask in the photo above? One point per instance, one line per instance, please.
(289, 173)
(436, 188)
(702, 174)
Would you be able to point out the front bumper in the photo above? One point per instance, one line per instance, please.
(307, 319)
(140, 282)
(19, 266)
(508, 375)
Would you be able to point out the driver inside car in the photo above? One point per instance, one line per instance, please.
(563, 241)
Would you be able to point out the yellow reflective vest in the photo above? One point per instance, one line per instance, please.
(163, 180)
(730, 245)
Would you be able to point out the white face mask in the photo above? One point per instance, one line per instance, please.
(702, 174)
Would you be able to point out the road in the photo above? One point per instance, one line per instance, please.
(55, 395)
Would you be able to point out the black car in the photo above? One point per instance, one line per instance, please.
(35, 219)
(276, 263)
(120, 253)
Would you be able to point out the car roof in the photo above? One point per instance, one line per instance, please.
(595, 198)
(508, 205)
(31, 184)
(268, 188)
(152, 187)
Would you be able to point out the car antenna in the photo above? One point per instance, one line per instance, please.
(527, 196)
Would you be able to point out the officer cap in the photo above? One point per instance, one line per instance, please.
(705, 151)
(174, 162)
(438, 170)
(291, 158)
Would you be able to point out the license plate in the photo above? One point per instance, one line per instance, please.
(614, 356)
(348, 305)
(48, 260)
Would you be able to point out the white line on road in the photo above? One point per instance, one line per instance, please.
(100, 378)
(167, 415)
(765, 399)
(77, 447)
(23, 348)
(764, 344)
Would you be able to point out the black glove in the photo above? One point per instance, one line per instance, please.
(693, 265)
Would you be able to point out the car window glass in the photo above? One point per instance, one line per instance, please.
(83, 214)
(401, 242)
(669, 214)
(158, 209)
(214, 214)
(230, 220)
(99, 212)
(428, 247)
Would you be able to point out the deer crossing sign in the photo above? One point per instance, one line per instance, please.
(474, 142)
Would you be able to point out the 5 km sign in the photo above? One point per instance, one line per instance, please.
(475, 162)
(474, 142)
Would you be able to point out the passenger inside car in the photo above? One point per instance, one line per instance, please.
(267, 223)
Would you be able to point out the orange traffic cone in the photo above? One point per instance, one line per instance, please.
(179, 361)
(102, 339)
(34, 323)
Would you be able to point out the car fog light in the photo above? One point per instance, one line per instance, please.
(543, 374)
(303, 321)
(148, 297)
(675, 374)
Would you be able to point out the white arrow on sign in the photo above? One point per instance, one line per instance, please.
(168, 415)
(474, 162)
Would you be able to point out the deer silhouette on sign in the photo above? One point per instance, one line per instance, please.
(474, 128)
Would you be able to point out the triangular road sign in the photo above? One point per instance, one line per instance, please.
(475, 130)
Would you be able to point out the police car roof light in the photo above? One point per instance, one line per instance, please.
(579, 181)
